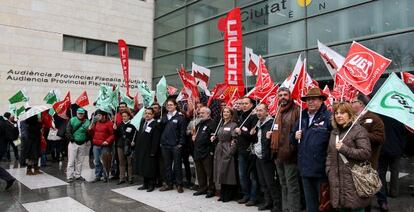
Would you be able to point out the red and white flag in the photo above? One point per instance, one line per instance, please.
(272, 100)
(290, 81)
(342, 91)
(231, 25)
(264, 82)
(171, 90)
(82, 100)
(329, 101)
(407, 78)
(217, 92)
(202, 75)
(251, 62)
(363, 67)
(123, 54)
(332, 59)
(189, 83)
(62, 106)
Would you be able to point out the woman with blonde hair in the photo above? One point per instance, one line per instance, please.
(355, 147)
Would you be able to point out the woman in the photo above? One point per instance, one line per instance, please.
(356, 148)
(31, 138)
(124, 134)
(147, 142)
(224, 162)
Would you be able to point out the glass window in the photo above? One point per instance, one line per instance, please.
(209, 55)
(168, 64)
(281, 66)
(323, 6)
(95, 47)
(203, 33)
(112, 50)
(165, 6)
(243, 2)
(207, 8)
(170, 43)
(286, 38)
(172, 80)
(73, 44)
(270, 13)
(366, 20)
(135, 52)
(170, 22)
(216, 76)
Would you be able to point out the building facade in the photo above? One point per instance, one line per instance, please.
(280, 30)
(72, 46)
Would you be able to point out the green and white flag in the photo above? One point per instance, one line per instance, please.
(20, 96)
(51, 97)
(124, 98)
(394, 99)
(115, 98)
(162, 91)
(146, 94)
(136, 121)
(105, 97)
(20, 110)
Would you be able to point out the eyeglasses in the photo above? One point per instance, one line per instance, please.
(356, 101)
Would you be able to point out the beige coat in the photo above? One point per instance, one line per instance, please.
(356, 148)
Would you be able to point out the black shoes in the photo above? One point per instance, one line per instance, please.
(265, 206)
(209, 194)
(80, 178)
(150, 189)
(198, 193)
(166, 187)
(143, 188)
(121, 182)
(251, 203)
(244, 200)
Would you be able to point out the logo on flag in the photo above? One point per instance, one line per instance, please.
(201, 75)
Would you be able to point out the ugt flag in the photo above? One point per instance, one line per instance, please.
(363, 67)
(407, 78)
(251, 62)
(394, 99)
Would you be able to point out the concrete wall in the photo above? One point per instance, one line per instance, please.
(32, 40)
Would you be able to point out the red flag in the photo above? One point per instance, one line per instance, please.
(171, 90)
(343, 91)
(264, 82)
(329, 100)
(62, 106)
(189, 84)
(272, 100)
(123, 54)
(408, 78)
(82, 100)
(136, 102)
(217, 92)
(46, 119)
(233, 97)
(363, 67)
(233, 49)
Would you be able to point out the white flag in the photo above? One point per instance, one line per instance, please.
(290, 81)
(202, 75)
(251, 61)
(331, 58)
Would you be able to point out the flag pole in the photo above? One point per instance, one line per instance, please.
(402, 75)
(277, 114)
(255, 108)
(301, 95)
(218, 126)
(353, 123)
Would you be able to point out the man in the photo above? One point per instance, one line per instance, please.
(238, 106)
(102, 133)
(117, 121)
(222, 105)
(264, 162)
(246, 164)
(375, 128)
(203, 153)
(312, 141)
(77, 135)
(172, 141)
(286, 154)
(11, 134)
(157, 110)
(160, 176)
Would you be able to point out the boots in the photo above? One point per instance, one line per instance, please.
(29, 170)
(36, 170)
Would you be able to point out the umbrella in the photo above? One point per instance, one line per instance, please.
(34, 110)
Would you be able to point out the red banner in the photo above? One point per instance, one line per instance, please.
(82, 100)
(123, 54)
(62, 106)
(363, 67)
(408, 78)
(233, 49)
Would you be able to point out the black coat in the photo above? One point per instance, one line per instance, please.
(147, 142)
(202, 144)
(244, 140)
(30, 130)
(124, 134)
(396, 136)
(12, 132)
(173, 132)
(265, 127)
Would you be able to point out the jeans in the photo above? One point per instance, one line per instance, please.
(311, 188)
(173, 165)
(288, 178)
(248, 181)
(97, 153)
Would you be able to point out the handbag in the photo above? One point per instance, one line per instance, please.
(366, 179)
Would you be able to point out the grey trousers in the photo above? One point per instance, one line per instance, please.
(288, 178)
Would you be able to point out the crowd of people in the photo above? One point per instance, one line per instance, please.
(282, 163)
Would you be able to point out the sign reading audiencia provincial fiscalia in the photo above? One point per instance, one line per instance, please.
(29, 76)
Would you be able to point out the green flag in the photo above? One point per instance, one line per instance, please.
(18, 97)
(115, 98)
(136, 121)
(394, 99)
(13, 109)
(50, 98)
(162, 91)
(146, 94)
(127, 100)
(105, 98)
(20, 110)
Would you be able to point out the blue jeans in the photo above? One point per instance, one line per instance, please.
(311, 188)
(248, 181)
(173, 165)
(97, 152)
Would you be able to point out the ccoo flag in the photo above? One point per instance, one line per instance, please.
(394, 99)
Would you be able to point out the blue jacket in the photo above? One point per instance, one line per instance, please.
(173, 130)
(312, 149)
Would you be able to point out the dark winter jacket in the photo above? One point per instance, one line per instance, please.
(202, 144)
(266, 153)
(173, 130)
(245, 139)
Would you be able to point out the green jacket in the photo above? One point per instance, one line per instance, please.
(77, 130)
